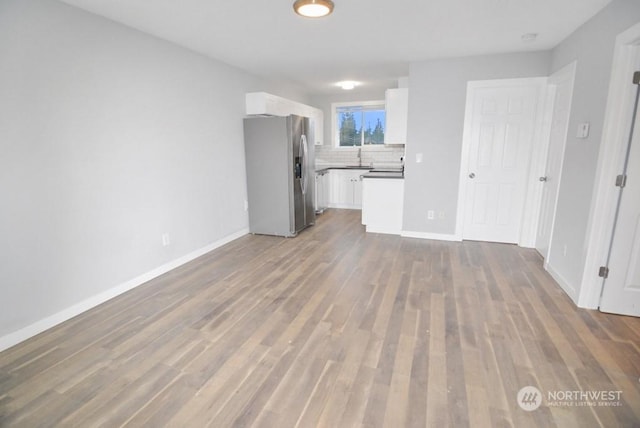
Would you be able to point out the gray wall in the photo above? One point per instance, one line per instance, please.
(108, 139)
(592, 46)
(437, 97)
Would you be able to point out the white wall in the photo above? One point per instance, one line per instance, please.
(437, 96)
(108, 139)
(592, 46)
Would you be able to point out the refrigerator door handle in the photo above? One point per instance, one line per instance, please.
(303, 157)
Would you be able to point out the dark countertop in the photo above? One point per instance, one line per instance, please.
(371, 172)
(384, 174)
(326, 168)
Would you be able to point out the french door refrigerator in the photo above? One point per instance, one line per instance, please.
(280, 175)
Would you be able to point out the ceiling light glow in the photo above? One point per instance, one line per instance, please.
(313, 8)
(347, 85)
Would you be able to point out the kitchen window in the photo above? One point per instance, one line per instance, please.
(358, 124)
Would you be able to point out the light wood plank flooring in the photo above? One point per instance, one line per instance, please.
(334, 328)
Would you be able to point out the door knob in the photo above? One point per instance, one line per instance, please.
(543, 179)
(472, 175)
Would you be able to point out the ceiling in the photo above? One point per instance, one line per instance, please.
(369, 41)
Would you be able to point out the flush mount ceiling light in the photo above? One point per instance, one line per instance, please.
(347, 85)
(313, 8)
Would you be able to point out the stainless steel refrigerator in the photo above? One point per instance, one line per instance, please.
(280, 174)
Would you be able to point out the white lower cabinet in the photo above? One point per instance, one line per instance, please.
(322, 191)
(345, 188)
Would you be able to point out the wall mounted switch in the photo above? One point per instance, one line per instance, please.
(583, 130)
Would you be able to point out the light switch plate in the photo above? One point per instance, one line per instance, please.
(418, 157)
(583, 130)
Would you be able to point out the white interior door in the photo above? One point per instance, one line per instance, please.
(501, 127)
(621, 292)
(562, 85)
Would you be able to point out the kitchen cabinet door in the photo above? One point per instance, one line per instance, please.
(396, 112)
(318, 197)
(339, 195)
(316, 123)
(324, 197)
(346, 188)
(322, 191)
(357, 190)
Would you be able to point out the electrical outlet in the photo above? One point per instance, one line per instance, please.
(166, 240)
(441, 215)
(430, 215)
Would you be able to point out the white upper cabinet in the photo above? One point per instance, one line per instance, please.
(397, 107)
(316, 121)
(262, 103)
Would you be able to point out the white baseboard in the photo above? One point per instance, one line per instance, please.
(345, 207)
(564, 284)
(382, 230)
(38, 327)
(432, 236)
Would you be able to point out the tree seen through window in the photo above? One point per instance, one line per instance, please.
(359, 125)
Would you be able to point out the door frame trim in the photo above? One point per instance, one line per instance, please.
(565, 74)
(617, 122)
(533, 196)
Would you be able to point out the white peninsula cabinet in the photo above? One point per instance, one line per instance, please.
(345, 188)
(382, 200)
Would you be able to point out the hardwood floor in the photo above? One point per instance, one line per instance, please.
(334, 328)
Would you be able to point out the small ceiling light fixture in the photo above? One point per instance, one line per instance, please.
(313, 8)
(347, 85)
(529, 37)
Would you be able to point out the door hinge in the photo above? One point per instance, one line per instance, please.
(603, 272)
(621, 180)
